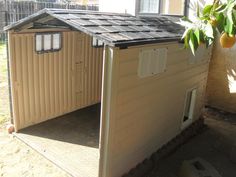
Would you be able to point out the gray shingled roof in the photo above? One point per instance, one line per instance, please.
(113, 28)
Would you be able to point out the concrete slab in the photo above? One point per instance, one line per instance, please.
(214, 145)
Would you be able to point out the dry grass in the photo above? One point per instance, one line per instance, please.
(4, 94)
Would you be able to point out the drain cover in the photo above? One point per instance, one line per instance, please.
(198, 168)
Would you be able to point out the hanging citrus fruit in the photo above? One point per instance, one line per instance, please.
(227, 41)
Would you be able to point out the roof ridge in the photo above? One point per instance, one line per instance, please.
(86, 11)
(112, 28)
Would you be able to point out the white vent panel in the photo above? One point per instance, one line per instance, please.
(152, 62)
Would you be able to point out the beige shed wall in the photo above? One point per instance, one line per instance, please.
(51, 84)
(146, 113)
(221, 86)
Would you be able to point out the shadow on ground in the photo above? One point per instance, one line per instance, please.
(80, 127)
(213, 145)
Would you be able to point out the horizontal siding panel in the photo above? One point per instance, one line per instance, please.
(133, 51)
(153, 112)
(148, 112)
(147, 106)
(180, 70)
(149, 109)
(129, 100)
(141, 90)
(129, 67)
(172, 66)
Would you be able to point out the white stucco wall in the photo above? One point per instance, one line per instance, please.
(118, 6)
(174, 7)
(128, 6)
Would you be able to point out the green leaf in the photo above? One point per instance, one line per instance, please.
(234, 16)
(204, 18)
(193, 44)
(204, 29)
(221, 8)
(197, 34)
(229, 27)
(186, 33)
(230, 14)
(209, 31)
(220, 18)
(202, 36)
(185, 23)
(207, 9)
(198, 10)
(186, 40)
(230, 8)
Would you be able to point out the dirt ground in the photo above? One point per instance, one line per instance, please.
(19, 160)
(4, 93)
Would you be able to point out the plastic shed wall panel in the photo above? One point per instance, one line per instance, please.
(148, 112)
(51, 84)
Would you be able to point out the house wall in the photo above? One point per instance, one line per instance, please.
(51, 84)
(173, 7)
(121, 6)
(221, 85)
(145, 113)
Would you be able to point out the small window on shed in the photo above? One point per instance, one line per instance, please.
(152, 62)
(97, 43)
(48, 42)
(56, 41)
(190, 101)
(39, 40)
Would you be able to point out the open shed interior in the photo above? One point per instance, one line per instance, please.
(56, 97)
(70, 141)
(48, 84)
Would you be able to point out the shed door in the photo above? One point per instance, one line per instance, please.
(88, 72)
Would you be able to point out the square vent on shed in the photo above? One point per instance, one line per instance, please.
(152, 62)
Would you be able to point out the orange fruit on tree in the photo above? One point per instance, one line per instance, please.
(227, 41)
